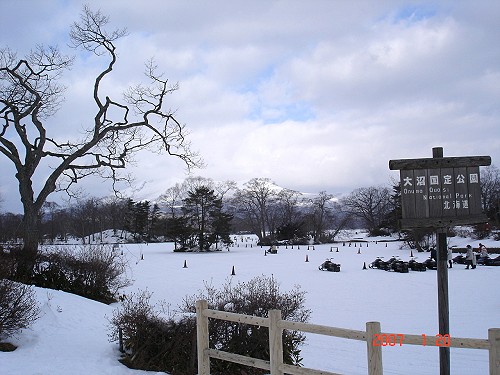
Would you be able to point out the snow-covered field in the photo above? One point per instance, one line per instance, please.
(71, 336)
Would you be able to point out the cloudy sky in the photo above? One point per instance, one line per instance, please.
(316, 95)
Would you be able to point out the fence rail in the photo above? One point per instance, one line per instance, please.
(276, 326)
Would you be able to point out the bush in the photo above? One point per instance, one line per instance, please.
(156, 341)
(255, 297)
(482, 231)
(151, 342)
(18, 307)
(8, 260)
(95, 271)
(269, 241)
(380, 232)
(421, 239)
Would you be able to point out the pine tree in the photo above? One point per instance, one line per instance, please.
(204, 212)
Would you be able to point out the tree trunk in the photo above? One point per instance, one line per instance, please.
(30, 225)
(27, 258)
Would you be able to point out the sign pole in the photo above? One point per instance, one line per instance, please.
(442, 285)
(443, 304)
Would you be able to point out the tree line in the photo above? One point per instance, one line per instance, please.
(202, 213)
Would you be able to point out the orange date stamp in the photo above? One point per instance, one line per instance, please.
(397, 339)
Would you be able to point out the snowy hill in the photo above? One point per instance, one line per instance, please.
(69, 338)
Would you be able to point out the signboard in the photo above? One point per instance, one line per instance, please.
(440, 192)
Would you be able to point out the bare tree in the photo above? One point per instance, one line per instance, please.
(10, 226)
(490, 192)
(172, 198)
(30, 94)
(224, 187)
(48, 222)
(289, 206)
(286, 219)
(85, 217)
(112, 213)
(254, 202)
(194, 182)
(321, 214)
(371, 204)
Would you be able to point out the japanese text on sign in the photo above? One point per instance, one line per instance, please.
(439, 191)
(445, 192)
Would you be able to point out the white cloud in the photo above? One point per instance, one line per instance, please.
(315, 95)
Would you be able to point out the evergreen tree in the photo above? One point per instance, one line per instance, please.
(395, 213)
(142, 219)
(137, 219)
(221, 228)
(155, 228)
(179, 231)
(203, 209)
(129, 216)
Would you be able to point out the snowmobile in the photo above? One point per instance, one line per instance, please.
(459, 259)
(397, 265)
(417, 266)
(430, 264)
(380, 264)
(487, 261)
(393, 264)
(328, 265)
(273, 250)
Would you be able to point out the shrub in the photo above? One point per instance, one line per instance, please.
(421, 239)
(481, 231)
(152, 342)
(255, 297)
(8, 260)
(94, 271)
(157, 341)
(18, 307)
(376, 232)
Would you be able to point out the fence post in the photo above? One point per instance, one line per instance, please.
(494, 339)
(374, 352)
(275, 342)
(202, 338)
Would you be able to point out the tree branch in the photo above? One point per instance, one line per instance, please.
(30, 94)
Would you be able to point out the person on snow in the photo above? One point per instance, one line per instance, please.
(470, 258)
(483, 251)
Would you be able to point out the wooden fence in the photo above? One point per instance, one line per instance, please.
(373, 337)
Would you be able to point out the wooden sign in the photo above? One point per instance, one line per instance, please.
(440, 192)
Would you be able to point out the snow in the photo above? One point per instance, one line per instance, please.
(71, 337)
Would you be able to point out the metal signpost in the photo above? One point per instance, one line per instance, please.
(437, 193)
